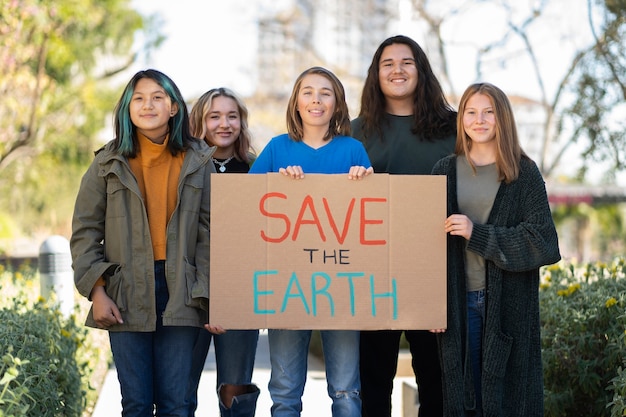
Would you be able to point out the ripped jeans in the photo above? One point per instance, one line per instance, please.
(289, 351)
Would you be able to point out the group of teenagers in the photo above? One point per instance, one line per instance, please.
(141, 235)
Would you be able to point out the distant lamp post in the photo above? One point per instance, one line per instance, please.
(56, 279)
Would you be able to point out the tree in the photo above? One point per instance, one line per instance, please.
(585, 109)
(58, 62)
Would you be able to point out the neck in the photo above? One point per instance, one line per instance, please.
(155, 137)
(223, 153)
(401, 107)
(314, 136)
(482, 155)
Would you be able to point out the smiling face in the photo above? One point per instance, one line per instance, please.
(397, 72)
(316, 101)
(223, 124)
(479, 120)
(150, 109)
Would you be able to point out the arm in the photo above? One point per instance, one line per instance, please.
(530, 243)
(87, 248)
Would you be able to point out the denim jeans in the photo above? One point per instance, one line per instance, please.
(288, 356)
(476, 318)
(153, 367)
(235, 352)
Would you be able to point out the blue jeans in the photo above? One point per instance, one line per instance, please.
(235, 352)
(476, 318)
(153, 367)
(289, 351)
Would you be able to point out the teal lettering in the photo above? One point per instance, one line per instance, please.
(258, 293)
(393, 295)
(350, 276)
(322, 291)
(293, 281)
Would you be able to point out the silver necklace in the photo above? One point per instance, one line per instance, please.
(222, 164)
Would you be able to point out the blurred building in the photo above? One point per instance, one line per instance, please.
(340, 35)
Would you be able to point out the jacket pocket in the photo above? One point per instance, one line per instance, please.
(496, 353)
(197, 288)
(191, 195)
(117, 198)
(115, 288)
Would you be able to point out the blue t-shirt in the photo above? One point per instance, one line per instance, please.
(336, 157)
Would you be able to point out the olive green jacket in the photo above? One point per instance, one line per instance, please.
(111, 238)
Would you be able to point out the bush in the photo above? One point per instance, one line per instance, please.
(583, 339)
(51, 365)
(41, 375)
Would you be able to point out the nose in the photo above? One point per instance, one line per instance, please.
(224, 121)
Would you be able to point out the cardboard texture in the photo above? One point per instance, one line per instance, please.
(328, 253)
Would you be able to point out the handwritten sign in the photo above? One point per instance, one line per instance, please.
(328, 253)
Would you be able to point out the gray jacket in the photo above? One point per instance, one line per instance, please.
(518, 238)
(111, 238)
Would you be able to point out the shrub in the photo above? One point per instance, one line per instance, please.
(51, 365)
(43, 344)
(583, 339)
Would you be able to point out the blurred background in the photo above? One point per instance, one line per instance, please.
(63, 64)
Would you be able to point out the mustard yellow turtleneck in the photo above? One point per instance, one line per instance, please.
(157, 172)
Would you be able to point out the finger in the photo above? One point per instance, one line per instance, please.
(117, 315)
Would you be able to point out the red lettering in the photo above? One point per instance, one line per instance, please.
(364, 221)
(346, 224)
(308, 203)
(267, 213)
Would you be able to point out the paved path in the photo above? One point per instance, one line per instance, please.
(316, 402)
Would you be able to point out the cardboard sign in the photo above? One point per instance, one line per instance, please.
(326, 252)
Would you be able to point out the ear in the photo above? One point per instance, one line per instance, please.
(174, 110)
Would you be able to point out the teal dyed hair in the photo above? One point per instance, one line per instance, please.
(125, 136)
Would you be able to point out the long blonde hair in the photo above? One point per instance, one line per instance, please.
(508, 149)
(200, 111)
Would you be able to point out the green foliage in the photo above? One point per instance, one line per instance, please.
(51, 365)
(41, 375)
(57, 59)
(618, 386)
(598, 89)
(583, 339)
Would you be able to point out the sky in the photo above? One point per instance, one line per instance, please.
(211, 43)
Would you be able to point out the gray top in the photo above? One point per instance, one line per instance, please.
(476, 193)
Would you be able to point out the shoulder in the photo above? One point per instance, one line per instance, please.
(348, 141)
(281, 139)
(529, 169)
(199, 147)
(357, 123)
(106, 152)
(445, 164)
